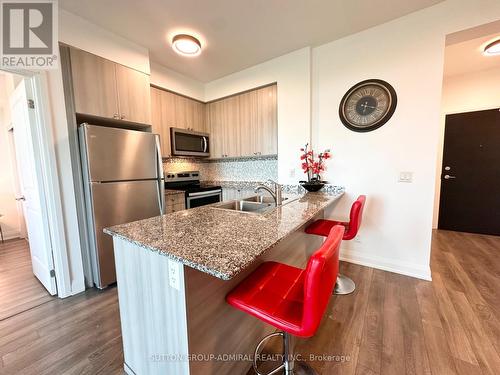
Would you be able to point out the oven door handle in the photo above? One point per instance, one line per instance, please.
(202, 194)
(205, 193)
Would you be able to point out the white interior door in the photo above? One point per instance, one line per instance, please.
(32, 198)
(23, 232)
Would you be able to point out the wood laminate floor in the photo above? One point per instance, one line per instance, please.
(19, 288)
(392, 324)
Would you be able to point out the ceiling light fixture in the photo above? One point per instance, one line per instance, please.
(186, 45)
(492, 49)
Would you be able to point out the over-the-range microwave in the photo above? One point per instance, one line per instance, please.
(189, 143)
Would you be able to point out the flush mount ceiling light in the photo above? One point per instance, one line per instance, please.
(492, 49)
(186, 45)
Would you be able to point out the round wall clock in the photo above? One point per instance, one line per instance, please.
(368, 105)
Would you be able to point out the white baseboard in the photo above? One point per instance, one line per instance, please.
(9, 235)
(384, 264)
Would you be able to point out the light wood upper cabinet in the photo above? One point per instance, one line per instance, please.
(162, 117)
(244, 125)
(248, 123)
(266, 134)
(157, 121)
(133, 95)
(106, 89)
(169, 110)
(199, 120)
(94, 84)
(224, 129)
(189, 113)
(240, 126)
(230, 125)
(216, 130)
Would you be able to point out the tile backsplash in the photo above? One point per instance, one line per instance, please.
(240, 169)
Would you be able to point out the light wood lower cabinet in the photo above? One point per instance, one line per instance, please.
(106, 89)
(174, 203)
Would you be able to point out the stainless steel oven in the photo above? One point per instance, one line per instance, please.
(203, 198)
(197, 193)
(189, 143)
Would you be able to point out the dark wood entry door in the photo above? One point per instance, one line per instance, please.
(470, 175)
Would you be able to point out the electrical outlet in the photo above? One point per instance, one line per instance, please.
(173, 274)
(292, 173)
(405, 177)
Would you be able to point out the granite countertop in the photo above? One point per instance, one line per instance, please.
(221, 242)
(173, 192)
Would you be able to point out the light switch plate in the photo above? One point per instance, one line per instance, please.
(405, 177)
(174, 274)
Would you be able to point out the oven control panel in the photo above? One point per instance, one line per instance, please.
(182, 176)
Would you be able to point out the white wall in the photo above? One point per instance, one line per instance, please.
(292, 73)
(474, 91)
(8, 205)
(408, 53)
(80, 33)
(169, 79)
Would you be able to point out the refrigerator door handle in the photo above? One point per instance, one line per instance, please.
(161, 183)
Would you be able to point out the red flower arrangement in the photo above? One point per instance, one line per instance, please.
(312, 167)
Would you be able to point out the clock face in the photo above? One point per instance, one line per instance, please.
(368, 105)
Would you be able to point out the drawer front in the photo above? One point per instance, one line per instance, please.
(174, 198)
(174, 203)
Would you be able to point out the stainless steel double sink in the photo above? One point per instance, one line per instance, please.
(257, 204)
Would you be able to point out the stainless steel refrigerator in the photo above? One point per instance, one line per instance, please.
(123, 182)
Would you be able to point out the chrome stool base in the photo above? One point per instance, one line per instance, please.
(344, 285)
(302, 368)
(289, 365)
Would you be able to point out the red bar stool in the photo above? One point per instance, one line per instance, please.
(291, 299)
(344, 285)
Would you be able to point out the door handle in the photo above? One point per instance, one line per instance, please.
(447, 177)
(22, 198)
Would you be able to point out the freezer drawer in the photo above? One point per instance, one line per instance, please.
(116, 203)
(117, 154)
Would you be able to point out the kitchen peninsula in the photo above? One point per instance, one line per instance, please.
(175, 270)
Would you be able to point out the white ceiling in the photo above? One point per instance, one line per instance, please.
(467, 56)
(236, 34)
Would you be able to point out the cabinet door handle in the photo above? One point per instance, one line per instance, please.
(122, 117)
(116, 115)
